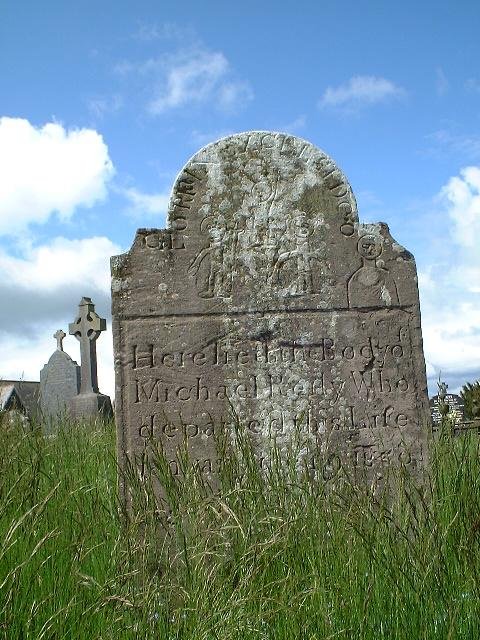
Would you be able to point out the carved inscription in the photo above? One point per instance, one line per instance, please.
(343, 384)
(182, 200)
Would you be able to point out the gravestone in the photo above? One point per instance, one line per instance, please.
(87, 327)
(456, 409)
(265, 303)
(59, 381)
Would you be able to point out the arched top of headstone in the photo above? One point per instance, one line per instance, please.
(60, 357)
(276, 172)
(262, 221)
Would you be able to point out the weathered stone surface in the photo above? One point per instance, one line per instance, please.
(90, 405)
(267, 302)
(456, 409)
(59, 381)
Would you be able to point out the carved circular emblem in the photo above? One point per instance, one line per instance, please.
(369, 247)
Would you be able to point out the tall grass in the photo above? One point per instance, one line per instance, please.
(273, 555)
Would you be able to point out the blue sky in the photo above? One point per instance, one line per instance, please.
(101, 104)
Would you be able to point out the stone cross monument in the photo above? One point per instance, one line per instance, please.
(87, 328)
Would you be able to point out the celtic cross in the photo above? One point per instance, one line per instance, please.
(86, 328)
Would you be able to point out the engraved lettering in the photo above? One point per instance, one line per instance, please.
(142, 357)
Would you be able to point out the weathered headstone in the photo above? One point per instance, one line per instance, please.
(456, 409)
(87, 328)
(59, 381)
(266, 302)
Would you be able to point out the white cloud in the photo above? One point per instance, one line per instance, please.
(361, 91)
(462, 194)
(195, 76)
(43, 287)
(46, 170)
(141, 204)
(450, 289)
(62, 263)
(22, 358)
(451, 340)
(190, 78)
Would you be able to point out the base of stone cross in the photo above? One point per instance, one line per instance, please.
(91, 405)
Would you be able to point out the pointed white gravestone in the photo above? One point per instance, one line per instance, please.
(59, 381)
(87, 328)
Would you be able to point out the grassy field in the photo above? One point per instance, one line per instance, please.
(272, 558)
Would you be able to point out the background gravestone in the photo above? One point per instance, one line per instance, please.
(265, 301)
(456, 409)
(59, 381)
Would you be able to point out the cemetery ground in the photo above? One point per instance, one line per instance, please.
(268, 557)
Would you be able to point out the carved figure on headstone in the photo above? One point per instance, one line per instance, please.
(87, 328)
(239, 247)
(301, 278)
(59, 381)
(258, 209)
(219, 259)
(371, 285)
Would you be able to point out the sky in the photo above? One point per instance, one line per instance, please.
(102, 103)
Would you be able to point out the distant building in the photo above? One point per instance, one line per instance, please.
(21, 396)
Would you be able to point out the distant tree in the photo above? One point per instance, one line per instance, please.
(470, 394)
